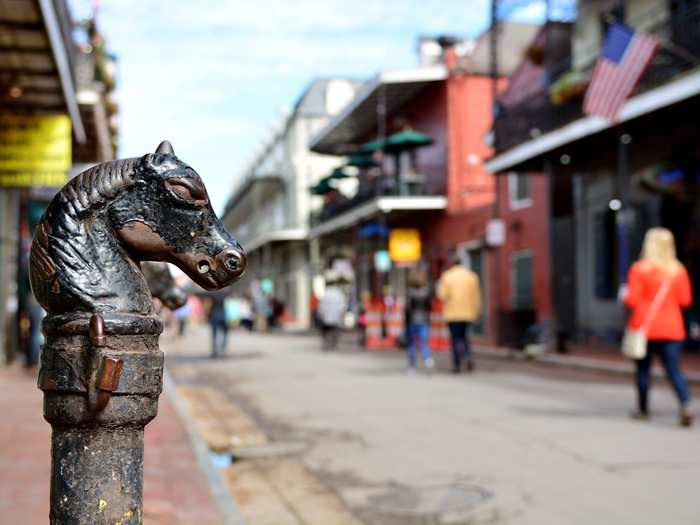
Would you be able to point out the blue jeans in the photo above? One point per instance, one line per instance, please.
(219, 335)
(459, 335)
(419, 331)
(670, 352)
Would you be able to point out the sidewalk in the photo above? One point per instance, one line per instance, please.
(176, 491)
(606, 361)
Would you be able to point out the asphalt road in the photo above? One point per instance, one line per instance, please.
(508, 444)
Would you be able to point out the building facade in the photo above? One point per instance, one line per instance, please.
(610, 182)
(449, 100)
(269, 209)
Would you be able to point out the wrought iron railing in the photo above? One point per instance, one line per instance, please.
(678, 31)
(384, 185)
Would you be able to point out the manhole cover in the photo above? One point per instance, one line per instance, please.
(430, 500)
(269, 450)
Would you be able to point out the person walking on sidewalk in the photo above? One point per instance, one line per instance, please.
(460, 292)
(218, 323)
(418, 303)
(658, 289)
(331, 311)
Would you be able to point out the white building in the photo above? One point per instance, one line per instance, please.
(268, 211)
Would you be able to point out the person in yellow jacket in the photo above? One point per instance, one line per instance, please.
(460, 292)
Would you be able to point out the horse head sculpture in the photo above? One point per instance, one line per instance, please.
(162, 284)
(97, 230)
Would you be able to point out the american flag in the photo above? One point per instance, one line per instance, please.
(622, 63)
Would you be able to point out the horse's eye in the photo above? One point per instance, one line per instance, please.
(190, 190)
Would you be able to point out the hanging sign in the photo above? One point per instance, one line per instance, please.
(404, 245)
(496, 232)
(34, 150)
(267, 286)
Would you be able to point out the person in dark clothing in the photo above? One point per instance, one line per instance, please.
(217, 321)
(418, 305)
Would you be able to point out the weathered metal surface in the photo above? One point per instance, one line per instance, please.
(162, 285)
(104, 222)
(101, 368)
(63, 365)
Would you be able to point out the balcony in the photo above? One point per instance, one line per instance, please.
(408, 186)
(678, 31)
(380, 195)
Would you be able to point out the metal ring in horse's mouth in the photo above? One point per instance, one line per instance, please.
(232, 262)
(203, 267)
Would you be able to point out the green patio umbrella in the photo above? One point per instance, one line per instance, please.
(371, 146)
(337, 174)
(406, 140)
(360, 160)
(322, 187)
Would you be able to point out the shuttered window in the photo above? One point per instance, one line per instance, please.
(522, 272)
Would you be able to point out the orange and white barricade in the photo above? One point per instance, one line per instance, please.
(439, 336)
(384, 325)
(394, 319)
(373, 329)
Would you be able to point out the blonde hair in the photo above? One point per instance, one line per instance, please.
(659, 249)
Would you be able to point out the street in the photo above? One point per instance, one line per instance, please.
(502, 445)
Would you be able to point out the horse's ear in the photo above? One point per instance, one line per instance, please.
(165, 148)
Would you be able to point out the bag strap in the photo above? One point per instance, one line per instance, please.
(655, 305)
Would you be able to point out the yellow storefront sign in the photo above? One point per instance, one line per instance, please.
(404, 245)
(52, 179)
(34, 150)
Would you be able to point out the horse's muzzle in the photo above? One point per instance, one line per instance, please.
(232, 262)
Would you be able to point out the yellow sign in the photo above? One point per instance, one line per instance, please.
(404, 245)
(34, 150)
(51, 179)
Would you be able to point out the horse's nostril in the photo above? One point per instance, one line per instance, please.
(203, 267)
(232, 262)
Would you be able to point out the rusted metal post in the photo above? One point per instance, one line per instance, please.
(101, 368)
(98, 397)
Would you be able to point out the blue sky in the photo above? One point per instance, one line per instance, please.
(212, 75)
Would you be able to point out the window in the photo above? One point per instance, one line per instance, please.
(519, 191)
(522, 280)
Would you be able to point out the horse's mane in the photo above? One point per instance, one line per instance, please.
(90, 188)
(98, 184)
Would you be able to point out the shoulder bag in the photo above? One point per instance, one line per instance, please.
(634, 342)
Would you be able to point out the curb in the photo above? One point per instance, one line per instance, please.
(224, 500)
(624, 368)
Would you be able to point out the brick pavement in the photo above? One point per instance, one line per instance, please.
(176, 491)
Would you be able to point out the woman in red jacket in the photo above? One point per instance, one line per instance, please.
(660, 272)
